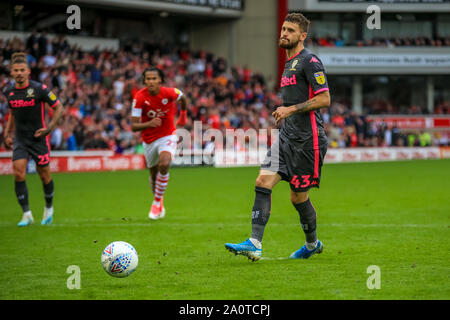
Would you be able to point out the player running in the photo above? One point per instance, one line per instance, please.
(297, 155)
(27, 132)
(153, 113)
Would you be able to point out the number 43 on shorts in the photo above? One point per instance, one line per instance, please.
(296, 182)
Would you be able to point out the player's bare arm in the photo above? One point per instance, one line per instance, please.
(59, 111)
(322, 100)
(183, 102)
(9, 130)
(182, 119)
(137, 125)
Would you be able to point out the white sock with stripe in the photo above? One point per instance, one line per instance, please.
(160, 186)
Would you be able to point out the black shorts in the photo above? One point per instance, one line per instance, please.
(36, 148)
(301, 168)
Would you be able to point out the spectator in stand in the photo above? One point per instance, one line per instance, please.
(94, 140)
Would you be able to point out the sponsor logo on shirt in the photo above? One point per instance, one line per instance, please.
(156, 113)
(288, 81)
(21, 103)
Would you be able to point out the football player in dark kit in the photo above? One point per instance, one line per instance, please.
(27, 133)
(298, 153)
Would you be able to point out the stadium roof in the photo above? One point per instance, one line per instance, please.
(361, 5)
(212, 8)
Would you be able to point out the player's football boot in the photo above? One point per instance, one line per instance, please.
(304, 253)
(163, 210)
(157, 211)
(47, 218)
(27, 219)
(246, 248)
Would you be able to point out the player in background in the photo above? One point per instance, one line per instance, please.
(27, 132)
(153, 113)
(298, 153)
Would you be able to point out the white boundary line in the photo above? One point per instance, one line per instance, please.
(168, 223)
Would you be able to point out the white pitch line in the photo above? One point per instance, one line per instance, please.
(168, 223)
(281, 258)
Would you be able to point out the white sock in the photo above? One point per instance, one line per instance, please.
(27, 213)
(311, 246)
(256, 243)
(48, 211)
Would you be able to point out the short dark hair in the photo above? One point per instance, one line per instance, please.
(19, 57)
(160, 73)
(299, 19)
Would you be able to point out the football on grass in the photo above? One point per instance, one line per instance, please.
(119, 259)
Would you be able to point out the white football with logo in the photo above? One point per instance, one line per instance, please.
(119, 259)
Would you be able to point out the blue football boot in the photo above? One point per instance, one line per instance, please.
(27, 219)
(47, 217)
(304, 253)
(246, 248)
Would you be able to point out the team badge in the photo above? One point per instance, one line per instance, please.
(320, 77)
(151, 114)
(30, 93)
(164, 101)
(293, 65)
(52, 96)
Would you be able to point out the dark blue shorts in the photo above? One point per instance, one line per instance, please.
(300, 168)
(36, 148)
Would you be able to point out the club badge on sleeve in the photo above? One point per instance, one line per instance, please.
(320, 77)
(52, 96)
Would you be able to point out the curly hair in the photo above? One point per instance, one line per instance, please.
(299, 19)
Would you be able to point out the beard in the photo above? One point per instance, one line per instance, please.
(288, 44)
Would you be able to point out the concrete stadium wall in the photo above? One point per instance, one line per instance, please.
(214, 37)
(256, 38)
(251, 40)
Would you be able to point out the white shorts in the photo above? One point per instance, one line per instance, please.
(152, 150)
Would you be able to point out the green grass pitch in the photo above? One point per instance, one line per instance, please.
(395, 215)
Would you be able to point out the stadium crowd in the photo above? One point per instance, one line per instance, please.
(97, 87)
